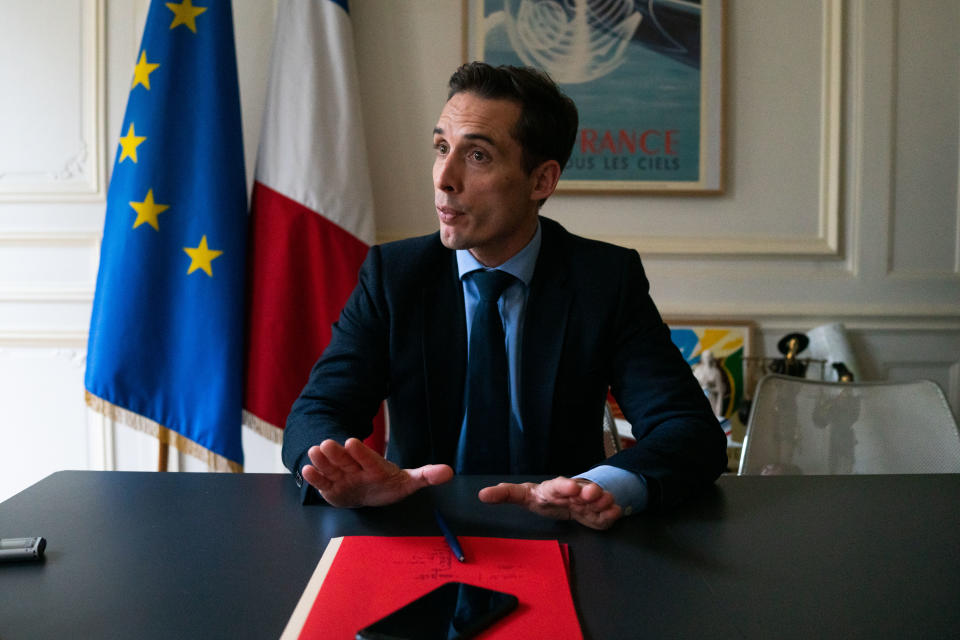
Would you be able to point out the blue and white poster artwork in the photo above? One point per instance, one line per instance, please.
(646, 76)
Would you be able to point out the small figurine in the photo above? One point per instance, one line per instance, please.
(843, 373)
(790, 345)
(713, 381)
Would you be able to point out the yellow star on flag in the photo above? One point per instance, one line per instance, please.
(185, 13)
(201, 257)
(141, 72)
(129, 144)
(147, 211)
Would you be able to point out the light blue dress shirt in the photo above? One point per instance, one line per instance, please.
(628, 489)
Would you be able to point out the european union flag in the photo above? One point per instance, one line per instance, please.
(166, 338)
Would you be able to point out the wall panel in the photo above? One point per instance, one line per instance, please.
(54, 66)
(43, 425)
(927, 141)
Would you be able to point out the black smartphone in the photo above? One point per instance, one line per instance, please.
(451, 611)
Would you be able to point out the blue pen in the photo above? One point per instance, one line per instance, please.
(451, 539)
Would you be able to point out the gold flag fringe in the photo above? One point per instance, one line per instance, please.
(214, 461)
(266, 429)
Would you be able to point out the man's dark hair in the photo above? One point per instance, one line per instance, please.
(548, 121)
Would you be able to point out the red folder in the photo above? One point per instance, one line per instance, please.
(360, 579)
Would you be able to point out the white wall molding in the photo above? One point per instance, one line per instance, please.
(46, 293)
(924, 142)
(101, 442)
(748, 246)
(29, 337)
(51, 238)
(826, 242)
(79, 174)
(873, 319)
(752, 247)
(831, 125)
(920, 276)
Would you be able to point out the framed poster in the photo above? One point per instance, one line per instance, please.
(647, 77)
(728, 346)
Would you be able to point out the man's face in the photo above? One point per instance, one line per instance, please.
(485, 200)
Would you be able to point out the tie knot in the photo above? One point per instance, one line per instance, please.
(490, 284)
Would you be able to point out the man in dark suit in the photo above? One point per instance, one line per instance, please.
(577, 320)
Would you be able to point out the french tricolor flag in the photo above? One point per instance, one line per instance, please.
(311, 210)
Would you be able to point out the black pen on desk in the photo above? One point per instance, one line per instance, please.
(450, 538)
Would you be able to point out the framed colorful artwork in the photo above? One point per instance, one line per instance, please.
(647, 78)
(717, 353)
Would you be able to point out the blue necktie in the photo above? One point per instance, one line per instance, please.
(486, 433)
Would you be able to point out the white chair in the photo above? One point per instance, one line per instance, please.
(800, 426)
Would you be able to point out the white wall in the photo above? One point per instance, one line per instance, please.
(841, 203)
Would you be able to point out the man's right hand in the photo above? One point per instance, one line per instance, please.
(354, 475)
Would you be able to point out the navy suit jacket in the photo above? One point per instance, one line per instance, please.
(590, 325)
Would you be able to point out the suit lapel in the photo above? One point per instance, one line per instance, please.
(544, 327)
(444, 355)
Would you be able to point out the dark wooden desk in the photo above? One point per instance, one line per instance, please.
(148, 555)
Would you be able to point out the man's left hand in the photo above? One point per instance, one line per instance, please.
(561, 498)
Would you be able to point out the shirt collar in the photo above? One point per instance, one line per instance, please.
(520, 266)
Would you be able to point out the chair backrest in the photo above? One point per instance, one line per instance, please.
(611, 436)
(800, 426)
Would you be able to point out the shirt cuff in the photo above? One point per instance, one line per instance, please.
(629, 489)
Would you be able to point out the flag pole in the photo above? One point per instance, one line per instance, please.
(164, 456)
